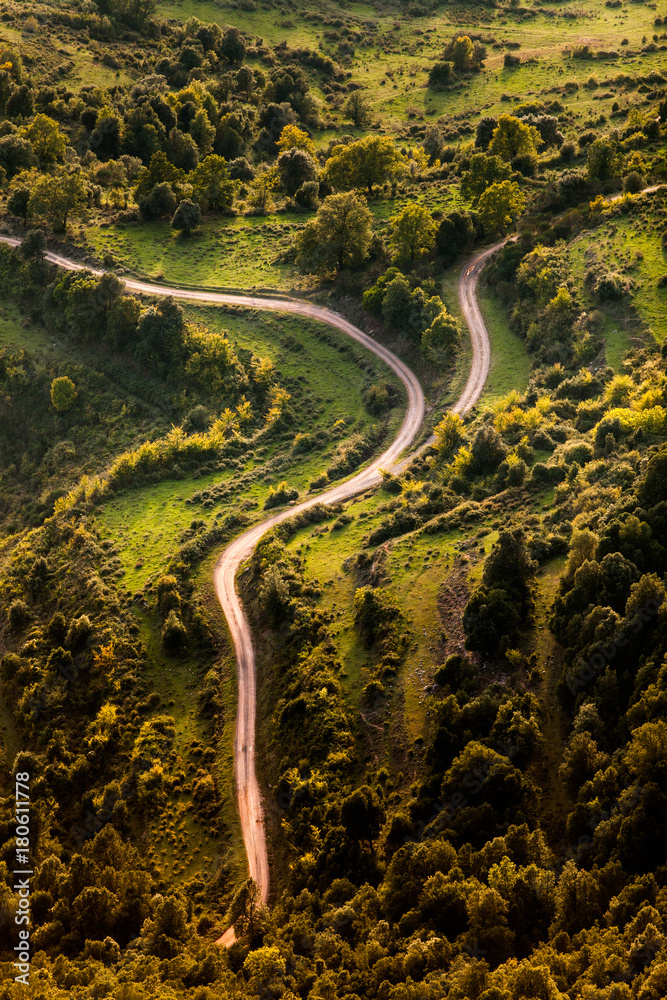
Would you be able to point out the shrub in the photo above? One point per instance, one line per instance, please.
(440, 75)
(186, 217)
(279, 495)
(63, 394)
(174, 635)
(19, 614)
(634, 182)
(611, 285)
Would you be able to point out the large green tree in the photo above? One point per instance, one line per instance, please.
(483, 172)
(499, 205)
(363, 164)
(211, 184)
(55, 198)
(339, 237)
(47, 141)
(513, 138)
(413, 233)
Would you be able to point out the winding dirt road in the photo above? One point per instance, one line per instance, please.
(249, 797)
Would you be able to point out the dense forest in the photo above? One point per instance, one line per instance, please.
(462, 677)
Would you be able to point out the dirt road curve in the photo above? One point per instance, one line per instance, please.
(249, 798)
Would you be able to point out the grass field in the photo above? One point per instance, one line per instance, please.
(510, 361)
(392, 52)
(632, 246)
(225, 253)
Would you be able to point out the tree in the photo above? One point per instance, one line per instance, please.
(413, 233)
(653, 488)
(159, 171)
(362, 164)
(212, 186)
(232, 47)
(357, 109)
(397, 303)
(63, 393)
(440, 338)
(174, 635)
(455, 234)
(464, 54)
(262, 187)
(440, 75)
(244, 81)
(16, 154)
(603, 160)
(484, 132)
(242, 913)
(509, 566)
(21, 103)
(33, 245)
(483, 172)
(339, 237)
(160, 203)
(448, 433)
(363, 814)
(513, 138)
(489, 616)
(266, 969)
(182, 150)
(186, 217)
(17, 203)
(499, 206)
(135, 13)
(202, 132)
(296, 167)
(292, 137)
(105, 140)
(47, 141)
(56, 198)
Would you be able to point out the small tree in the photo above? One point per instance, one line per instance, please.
(47, 141)
(262, 188)
(174, 636)
(33, 245)
(63, 393)
(499, 206)
(440, 75)
(56, 198)
(211, 184)
(483, 172)
(296, 167)
(602, 160)
(513, 138)
(186, 217)
(292, 137)
(465, 54)
(363, 814)
(17, 204)
(440, 339)
(413, 233)
(357, 110)
(160, 203)
(362, 164)
(448, 433)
